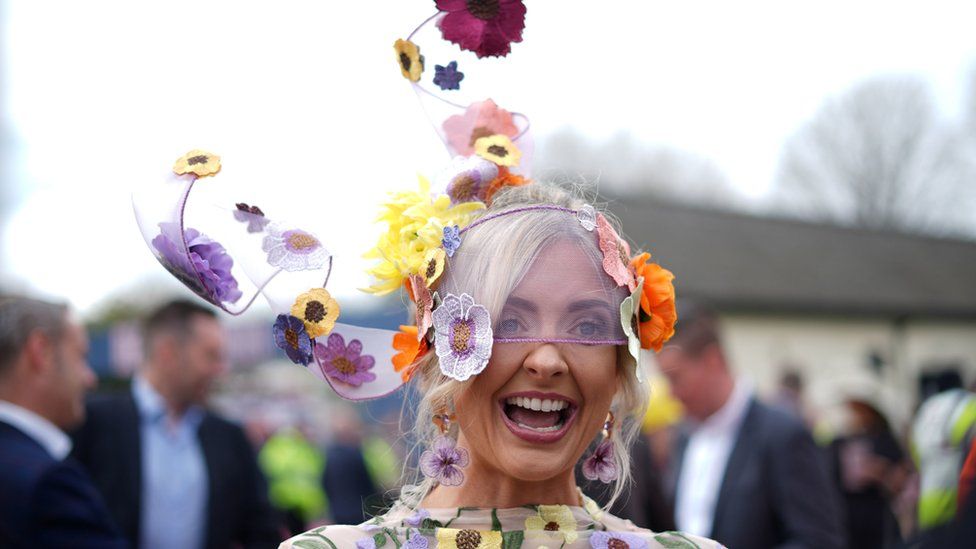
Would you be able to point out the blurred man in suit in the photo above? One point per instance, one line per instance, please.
(175, 474)
(745, 474)
(45, 500)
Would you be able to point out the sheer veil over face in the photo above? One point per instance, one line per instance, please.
(553, 370)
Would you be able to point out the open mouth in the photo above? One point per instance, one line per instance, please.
(538, 418)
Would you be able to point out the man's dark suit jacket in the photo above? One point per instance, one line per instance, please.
(238, 511)
(776, 491)
(46, 502)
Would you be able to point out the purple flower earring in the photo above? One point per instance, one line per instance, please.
(443, 462)
(601, 464)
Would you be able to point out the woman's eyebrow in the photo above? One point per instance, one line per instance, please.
(520, 303)
(586, 304)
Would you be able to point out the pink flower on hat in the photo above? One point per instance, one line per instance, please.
(480, 119)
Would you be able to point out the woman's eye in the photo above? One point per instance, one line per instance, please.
(590, 328)
(509, 326)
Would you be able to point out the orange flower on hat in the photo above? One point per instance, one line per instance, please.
(657, 314)
(410, 349)
(505, 179)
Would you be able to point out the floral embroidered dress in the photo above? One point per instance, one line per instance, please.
(531, 526)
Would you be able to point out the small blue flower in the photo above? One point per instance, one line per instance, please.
(417, 518)
(291, 337)
(416, 541)
(451, 240)
(448, 78)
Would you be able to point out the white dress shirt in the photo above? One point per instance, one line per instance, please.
(45, 433)
(704, 463)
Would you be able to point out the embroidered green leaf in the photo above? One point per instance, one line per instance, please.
(430, 524)
(380, 540)
(312, 544)
(513, 539)
(675, 540)
(448, 523)
(393, 537)
(495, 523)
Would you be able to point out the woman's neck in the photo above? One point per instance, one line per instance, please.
(490, 488)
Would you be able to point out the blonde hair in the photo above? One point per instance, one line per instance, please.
(490, 283)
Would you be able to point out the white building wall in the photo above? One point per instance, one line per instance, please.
(832, 354)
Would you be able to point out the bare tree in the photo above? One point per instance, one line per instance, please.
(878, 156)
(622, 165)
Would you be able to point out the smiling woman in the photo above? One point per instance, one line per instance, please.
(534, 318)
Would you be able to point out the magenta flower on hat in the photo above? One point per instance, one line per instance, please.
(486, 27)
(345, 363)
(616, 540)
(462, 336)
(600, 464)
(291, 337)
(443, 461)
(207, 268)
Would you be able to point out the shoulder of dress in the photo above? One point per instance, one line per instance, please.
(684, 541)
(334, 536)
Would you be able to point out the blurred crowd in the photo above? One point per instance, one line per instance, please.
(151, 464)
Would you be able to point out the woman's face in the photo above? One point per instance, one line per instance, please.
(534, 410)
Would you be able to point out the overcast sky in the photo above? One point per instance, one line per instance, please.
(306, 105)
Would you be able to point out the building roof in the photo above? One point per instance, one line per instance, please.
(742, 262)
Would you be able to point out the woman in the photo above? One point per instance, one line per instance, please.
(538, 318)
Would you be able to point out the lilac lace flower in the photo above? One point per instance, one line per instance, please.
(416, 541)
(616, 540)
(448, 77)
(366, 543)
(463, 336)
(600, 464)
(345, 363)
(451, 240)
(252, 215)
(207, 269)
(290, 336)
(293, 249)
(417, 518)
(444, 461)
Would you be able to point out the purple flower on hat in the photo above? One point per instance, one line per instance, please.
(448, 77)
(252, 215)
(616, 540)
(416, 541)
(207, 268)
(444, 461)
(345, 363)
(417, 518)
(451, 240)
(600, 464)
(463, 336)
(290, 336)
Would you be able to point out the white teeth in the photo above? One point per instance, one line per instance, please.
(555, 427)
(539, 405)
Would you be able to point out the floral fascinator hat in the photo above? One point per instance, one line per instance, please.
(580, 286)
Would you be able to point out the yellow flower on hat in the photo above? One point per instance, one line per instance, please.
(557, 519)
(201, 163)
(433, 265)
(415, 225)
(452, 538)
(499, 149)
(318, 310)
(411, 62)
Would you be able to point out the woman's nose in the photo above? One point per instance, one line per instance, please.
(545, 361)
